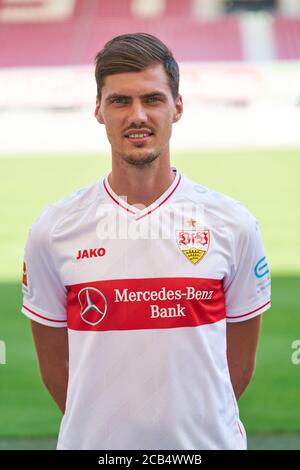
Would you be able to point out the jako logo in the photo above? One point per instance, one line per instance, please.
(261, 268)
(91, 253)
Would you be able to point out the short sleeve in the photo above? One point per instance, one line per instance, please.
(44, 296)
(248, 286)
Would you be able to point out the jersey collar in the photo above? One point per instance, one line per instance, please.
(138, 213)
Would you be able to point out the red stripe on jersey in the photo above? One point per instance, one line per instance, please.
(134, 304)
(136, 211)
(41, 316)
(249, 313)
(162, 202)
(115, 200)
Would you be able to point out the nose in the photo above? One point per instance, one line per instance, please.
(138, 113)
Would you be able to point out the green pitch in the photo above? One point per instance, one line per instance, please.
(266, 181)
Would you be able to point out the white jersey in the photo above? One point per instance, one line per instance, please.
(146, 294)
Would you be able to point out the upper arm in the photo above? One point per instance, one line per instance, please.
(247, 295)
(44, 302)
(52, 348)
(242, 341)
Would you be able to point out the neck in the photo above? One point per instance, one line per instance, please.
(141, 185)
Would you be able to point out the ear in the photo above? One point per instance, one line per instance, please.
(179, 108)
(98, 114)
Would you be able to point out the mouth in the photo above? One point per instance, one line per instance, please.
(138, 137)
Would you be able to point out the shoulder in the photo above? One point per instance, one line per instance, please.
(51, 216)
(219, 206)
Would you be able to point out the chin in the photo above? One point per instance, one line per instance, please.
(142, 160)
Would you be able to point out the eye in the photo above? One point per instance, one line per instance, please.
(153, 99)
(120, 100)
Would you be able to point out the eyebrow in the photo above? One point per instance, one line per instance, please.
(146, 95)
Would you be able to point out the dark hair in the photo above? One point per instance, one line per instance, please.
(133, 53)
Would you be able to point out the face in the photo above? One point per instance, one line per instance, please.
(138, 111)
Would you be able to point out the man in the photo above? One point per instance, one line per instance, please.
(145, 289)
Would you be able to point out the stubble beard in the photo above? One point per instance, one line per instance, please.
(141, 162)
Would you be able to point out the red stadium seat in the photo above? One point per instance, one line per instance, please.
(76, 38)
(287, 37)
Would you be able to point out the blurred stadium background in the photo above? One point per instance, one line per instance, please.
(240, 134)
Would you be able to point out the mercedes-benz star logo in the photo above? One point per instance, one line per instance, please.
(92, 300)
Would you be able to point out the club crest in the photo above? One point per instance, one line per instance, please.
(193, 243)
